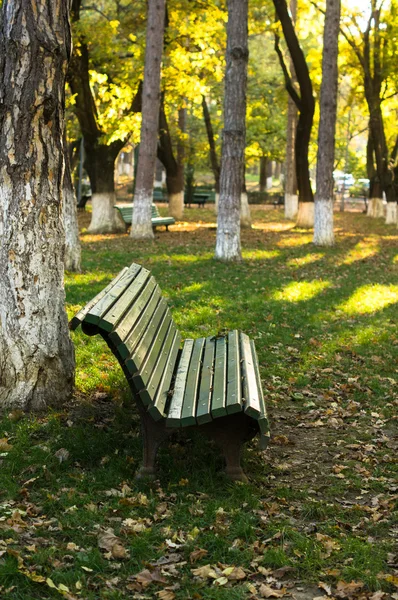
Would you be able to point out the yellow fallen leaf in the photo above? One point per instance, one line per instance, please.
(234, 573)
(266, 591)
(220, 581)
(206, 572)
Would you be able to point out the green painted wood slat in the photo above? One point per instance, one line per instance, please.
(159, 384)
(218, 400)
(203, 414)
(174, 413)
(263, 418)
(234, 378)
(250, 388)
(191, 389)
(137, 357)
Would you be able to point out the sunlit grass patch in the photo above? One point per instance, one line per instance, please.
(292, 241)
(299, 291)
(370, 298)
(260, 254)
(366, 248)
(308, 259)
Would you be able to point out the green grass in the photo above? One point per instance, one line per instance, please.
(321, 501)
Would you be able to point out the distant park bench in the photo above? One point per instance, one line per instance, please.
(212, 383)
(126, 211)
(278, 200)
(199, 198)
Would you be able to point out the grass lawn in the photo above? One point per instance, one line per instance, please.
(319, 516)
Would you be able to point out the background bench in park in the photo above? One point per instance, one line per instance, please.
(213, 383)
(126, 211)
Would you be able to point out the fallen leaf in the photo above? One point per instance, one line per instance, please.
(347, 590)
(267, 591)
(107, 540)
(165, 595)
(4, 445)
(234, 573)
(62, 454)
(220, 581)
(205, 572)
(326, 587)
(146, 577)
(197, 555)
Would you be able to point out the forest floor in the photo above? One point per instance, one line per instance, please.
(319, 516)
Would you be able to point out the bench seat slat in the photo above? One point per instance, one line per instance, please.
(175, 409)
(135, 360)
(159, 390)
(218, 401)
(125, 327)
(234, 383)
(80, 316)
(147, 365)
(192, 385)
(116, 313)
(203, 414)
(250, 388)
(96, 313)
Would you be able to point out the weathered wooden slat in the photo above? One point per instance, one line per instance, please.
(234, 379)
(96, 313)
(137, 320)
(175, 409)
(155, 345)
(134, 362)
(125, 303)
(79, 317)
(159, 384)
(219, 395)
(192, 385)
(250, 388)
(203, 414)
(263, 419)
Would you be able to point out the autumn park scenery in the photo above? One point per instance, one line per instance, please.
(198, 299)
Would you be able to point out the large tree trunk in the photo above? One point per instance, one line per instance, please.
(36, 353)
(174, 167)
(234, 135)
(245, 214)
(306, 106)
(100, 166)
(71, 226)
(142, 227)
(323, 218)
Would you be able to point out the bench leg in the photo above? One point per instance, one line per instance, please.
(152, 436)
(232, 452)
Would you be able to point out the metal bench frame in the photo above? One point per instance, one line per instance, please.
(212, 383)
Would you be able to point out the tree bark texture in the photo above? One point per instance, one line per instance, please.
(323, 210)
(304, 102)
(174, 166)
(142, 227)
(291, 197)
(71, 226)
(228, 246)
(36, 353)
(263, 174)
(215, 165)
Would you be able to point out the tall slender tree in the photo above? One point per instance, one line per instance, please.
(36, 353)
(141, 226)
(234, 135)
(71, 226)
(291, 198)
(306, 106)
(323, 219)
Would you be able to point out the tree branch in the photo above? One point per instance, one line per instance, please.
(288, 80)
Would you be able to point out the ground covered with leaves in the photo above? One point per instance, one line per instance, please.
(319, 515)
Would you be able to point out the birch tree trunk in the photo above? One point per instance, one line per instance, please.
(234, 135)
(71, 226)
(36, 353)
(323, 217)
(142, 226)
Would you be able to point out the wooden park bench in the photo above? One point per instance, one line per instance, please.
(212, 383)
(199, 198)
(126, 211)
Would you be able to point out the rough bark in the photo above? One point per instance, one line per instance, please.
(304, 101)
(141, 227)
(234, 135)
(215, 164)
(263, 174)
(174, 168)
(71, 226)
(36, 353)
(323, 210)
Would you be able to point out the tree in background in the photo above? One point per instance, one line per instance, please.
(306, 106)
(234, 134)
(291, 197)
(36, 353)
(323, 217)
(141, 226)
(71, 226)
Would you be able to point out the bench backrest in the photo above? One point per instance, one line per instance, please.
(134, 320)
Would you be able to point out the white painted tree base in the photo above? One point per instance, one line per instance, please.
(375, 208)
(291, 206)
(176, 205)
(245, 216)
(105, 218)
(323, 222)
(392, 214)
(228, 233)
(141, 228)
(72, 240)
(305, 215)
